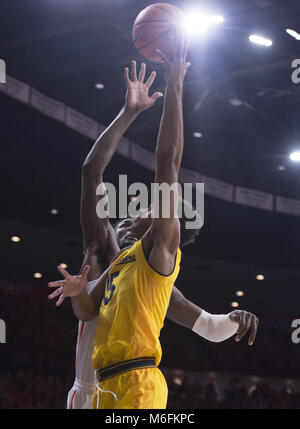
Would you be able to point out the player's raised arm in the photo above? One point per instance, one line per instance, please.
(99, 240)
(213, 327)
(162, 240)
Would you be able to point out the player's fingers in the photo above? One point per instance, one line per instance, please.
(253, 328)
(245, 328)
(242, 321)
(142, 72)
(186, 44)
(63, 272)
(173, 46)
(85, 271)
(133, 71)
(156, 96)
(57, 283)
(126, 75)
(187, 66)
(162, 56)
(57, 292)
(150, 80)
(60, 300)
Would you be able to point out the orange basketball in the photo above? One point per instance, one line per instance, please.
(152, 28)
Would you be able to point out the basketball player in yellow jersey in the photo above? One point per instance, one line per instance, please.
(139, 281)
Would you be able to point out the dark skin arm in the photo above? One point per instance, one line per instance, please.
(185, 313)
(85, 303)
(99, 240)
(162, 239)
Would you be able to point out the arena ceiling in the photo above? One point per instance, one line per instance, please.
(63, 48)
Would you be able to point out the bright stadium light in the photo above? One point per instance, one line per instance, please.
(260, 40)
(295, 156)
(234, 304)
(196, 22)
(293, 33)
(197, 135)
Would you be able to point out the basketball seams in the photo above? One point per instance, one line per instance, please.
(152, 29)
(146, 25)
(155, 40)
(166, 11)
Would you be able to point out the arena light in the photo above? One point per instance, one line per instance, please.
(239, 293)
(260, 277)
(234, 304)
(196, 22)
(15, 239)
(54, 211)
(178, 381)
(281, 167)
(99, 85)
(197, 135)
(293, 33)
(63, 265)
(37, 275)
(295, 156)
(235, 102)
(260, 40)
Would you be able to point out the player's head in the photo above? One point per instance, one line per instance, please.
(130, 230)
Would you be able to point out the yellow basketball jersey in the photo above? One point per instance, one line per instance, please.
(133, 309)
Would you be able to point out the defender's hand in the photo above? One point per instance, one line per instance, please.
(245, 321)
(137, 96)
(71, 286)
(176, 66)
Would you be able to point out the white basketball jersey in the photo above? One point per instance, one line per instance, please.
(84, 371)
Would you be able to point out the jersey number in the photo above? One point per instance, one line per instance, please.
(110, 287)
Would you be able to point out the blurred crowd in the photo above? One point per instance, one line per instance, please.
(199, 395)
(37, 361)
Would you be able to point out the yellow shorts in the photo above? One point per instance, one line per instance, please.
(136, 389)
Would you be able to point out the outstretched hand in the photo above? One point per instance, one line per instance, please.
(71, 286)
(137, 95)
(176, 65)
(245, 321)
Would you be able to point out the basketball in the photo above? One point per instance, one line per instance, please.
(152, 28)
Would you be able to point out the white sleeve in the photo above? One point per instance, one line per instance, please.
(215, 327)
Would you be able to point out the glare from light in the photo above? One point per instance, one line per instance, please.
(54, 211)
(293, 33)
(295, 156)
(260, 277)
(198, 135)
(15, 239)
(260, 40)
(37, 275)
(63, 265)
(235, 102)
(196, 22)
(234, 304)
(178, 381)
(239, 293)
(99, 85)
